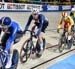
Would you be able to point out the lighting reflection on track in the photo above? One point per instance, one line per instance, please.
(53, 57)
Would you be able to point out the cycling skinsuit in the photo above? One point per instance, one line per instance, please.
(41, 23)
(10, 35)
(68, 23)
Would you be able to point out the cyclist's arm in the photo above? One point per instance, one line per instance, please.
(60, 23)
(41, 20)
(0, 35)
(11, 39)
(71, 24)
(28, 23)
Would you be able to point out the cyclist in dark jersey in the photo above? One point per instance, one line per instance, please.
(41, 22)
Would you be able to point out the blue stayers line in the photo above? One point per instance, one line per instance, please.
(68, 63)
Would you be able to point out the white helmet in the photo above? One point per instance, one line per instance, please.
(35, 11)
(73, 10)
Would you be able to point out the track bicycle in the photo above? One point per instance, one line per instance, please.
(28, 47)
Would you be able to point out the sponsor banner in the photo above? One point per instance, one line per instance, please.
(57, 8)
(52, 8)
(28, 7)
(44, 7)
(2, 6)
(31, 6)
(18, 6)
(66, 7)
(14, 6)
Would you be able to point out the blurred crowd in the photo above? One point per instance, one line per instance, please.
(25, 1)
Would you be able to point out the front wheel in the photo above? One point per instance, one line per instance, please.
(61, 47)
(25, 51)
(62, 44)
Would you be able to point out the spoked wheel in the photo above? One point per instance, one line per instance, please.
(38, 48)
(74, 38)
(61, 47)
(62, 44)
(25, 51)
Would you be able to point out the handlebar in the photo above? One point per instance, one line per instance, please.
(32, 33)
(1, 50)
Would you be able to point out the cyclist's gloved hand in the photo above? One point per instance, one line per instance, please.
(5, 53)
(24, 32)
(57, 30)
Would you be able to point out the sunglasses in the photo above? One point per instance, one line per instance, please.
(35, 14)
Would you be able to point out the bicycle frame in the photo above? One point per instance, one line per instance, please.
(32, 34)
(2, 61)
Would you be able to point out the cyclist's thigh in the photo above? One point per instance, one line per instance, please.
(18, 37)
(4, 39)
(73, 28)
(44, 27)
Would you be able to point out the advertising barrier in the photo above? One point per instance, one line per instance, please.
(28, 7)
(18, 7)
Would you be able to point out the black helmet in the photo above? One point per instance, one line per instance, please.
(71, 13)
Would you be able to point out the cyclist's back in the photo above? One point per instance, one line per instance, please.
(68, 22)
(72, 14)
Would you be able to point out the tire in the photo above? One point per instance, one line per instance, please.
(25, 51)
(61, 47)
(74, 38)
(38, 49)
(62, 44)
(74, 35)
(15, 59)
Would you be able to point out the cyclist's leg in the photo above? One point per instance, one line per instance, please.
(33, 28)
(41, 36)
(4, 39)
(9, 62)
(3, 42)
(18, 37)
(70, 37)
(64, 31)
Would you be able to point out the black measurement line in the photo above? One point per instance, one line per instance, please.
(52, 59)
(52, 46)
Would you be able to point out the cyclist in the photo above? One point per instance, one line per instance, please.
(68, 24)
(41, 23)
(72, 14)
(12, 34)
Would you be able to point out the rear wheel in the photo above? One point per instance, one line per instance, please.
(38, 48)
(74, 38)
(25, 51)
